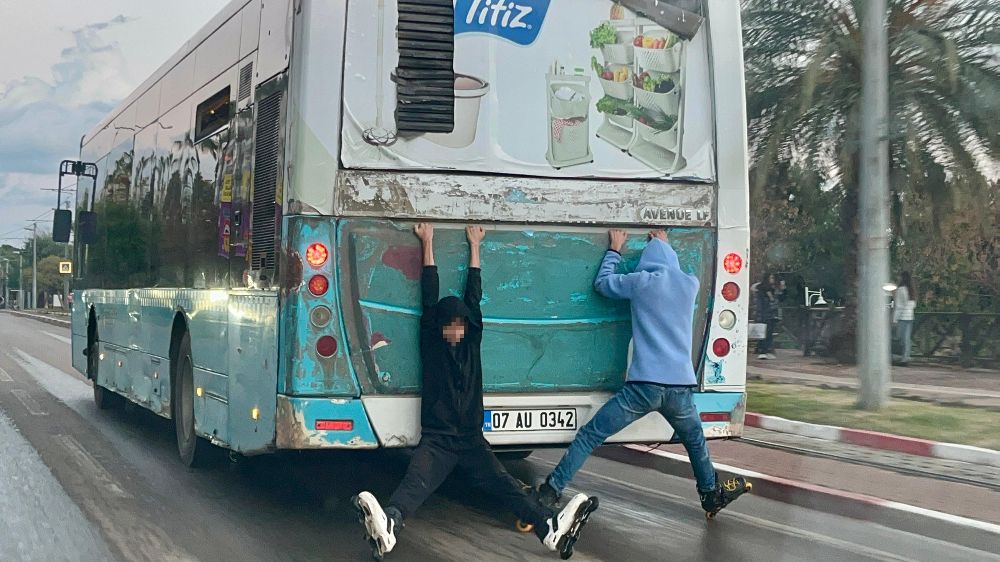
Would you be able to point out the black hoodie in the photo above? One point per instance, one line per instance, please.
(452, 398)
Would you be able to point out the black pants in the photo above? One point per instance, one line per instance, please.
(438, 455)
(767, 346)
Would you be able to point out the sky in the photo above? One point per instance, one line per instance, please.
(64, 64)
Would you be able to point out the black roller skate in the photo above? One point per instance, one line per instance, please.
(724, 494)
(564, 527)
(380, 525)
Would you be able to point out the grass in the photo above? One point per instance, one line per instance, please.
(968, 426)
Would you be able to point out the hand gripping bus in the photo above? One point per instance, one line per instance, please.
(250, 270)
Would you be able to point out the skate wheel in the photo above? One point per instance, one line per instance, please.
(566, 552)
(523, 527)
(749, 486)
(709, 515)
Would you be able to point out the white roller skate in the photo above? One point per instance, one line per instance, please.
(564, 528)
(380, 529)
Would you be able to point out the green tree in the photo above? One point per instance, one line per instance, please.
(49, 279)
(803, 63)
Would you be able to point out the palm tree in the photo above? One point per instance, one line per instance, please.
(803, 64)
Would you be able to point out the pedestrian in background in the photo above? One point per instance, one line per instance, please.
(903, 306)
(768, 298)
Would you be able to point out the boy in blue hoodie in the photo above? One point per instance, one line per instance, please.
(661, 377)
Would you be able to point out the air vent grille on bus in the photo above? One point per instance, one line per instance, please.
(246, 81)
(265, 181)
(425, 77)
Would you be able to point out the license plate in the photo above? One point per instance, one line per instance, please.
(536, 419)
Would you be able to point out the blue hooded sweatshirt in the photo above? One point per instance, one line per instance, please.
(662, 298)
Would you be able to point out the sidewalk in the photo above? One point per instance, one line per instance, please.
(945, 385)
(55, 318)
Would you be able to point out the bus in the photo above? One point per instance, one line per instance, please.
(247, 266)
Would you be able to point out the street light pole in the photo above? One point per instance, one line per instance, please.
(873, 252)
(20, 281)
(34, 265)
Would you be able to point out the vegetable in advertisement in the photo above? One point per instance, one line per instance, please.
(604, 34)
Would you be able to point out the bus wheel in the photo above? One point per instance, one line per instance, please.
(103, 398)
(190, 447)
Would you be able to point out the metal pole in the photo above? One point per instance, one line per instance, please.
(20, 282)
(873, 253)
(34, 265)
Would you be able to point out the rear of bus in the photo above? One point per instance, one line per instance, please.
(538, 150)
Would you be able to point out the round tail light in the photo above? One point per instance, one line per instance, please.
(326, 346)
(320, 316)
(730, 291)
(318, 285)
(727, 319)
(317, 254)
(732, 263)
(720, 347)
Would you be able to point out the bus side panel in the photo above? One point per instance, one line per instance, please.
(253, 375)
(547, 330)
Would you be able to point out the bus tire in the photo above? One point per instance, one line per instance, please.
(104, 399)
(191, 448)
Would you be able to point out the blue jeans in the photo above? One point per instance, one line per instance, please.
(904, 332)
(632, 402)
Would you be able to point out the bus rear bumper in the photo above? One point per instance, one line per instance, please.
(322, 423)
(396, 419)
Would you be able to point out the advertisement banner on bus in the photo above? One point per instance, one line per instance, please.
(541, 88)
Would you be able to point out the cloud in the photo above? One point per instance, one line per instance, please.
(42, 120)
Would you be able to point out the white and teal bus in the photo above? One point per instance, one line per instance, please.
(247, 266)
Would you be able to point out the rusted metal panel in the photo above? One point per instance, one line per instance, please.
(546, 329)
(469, 197)
(297, 417)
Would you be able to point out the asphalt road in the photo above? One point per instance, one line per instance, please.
(81, 484)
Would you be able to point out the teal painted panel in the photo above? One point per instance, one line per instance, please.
(298, 424)
(717, 401)
(211, 409)
(253, 375)
(546, 327)
(302, 370)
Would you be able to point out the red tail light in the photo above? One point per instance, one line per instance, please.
(715, 417)
(732, 263)
(317, 254)
(326, 346)
(720, 347)
(335, 425)
(318, 285)
(730, 291)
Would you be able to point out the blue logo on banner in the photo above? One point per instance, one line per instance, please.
(518, 21)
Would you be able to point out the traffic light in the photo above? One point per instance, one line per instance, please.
(61, 225)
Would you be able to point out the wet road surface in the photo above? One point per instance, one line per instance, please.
(107, 484)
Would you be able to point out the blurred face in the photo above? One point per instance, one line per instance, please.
(454, 331)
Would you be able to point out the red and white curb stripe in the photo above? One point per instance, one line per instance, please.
(783, 483)
(877, 440)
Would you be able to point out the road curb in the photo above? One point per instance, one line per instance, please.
(41, 318)
(943, 526)
(877, 440)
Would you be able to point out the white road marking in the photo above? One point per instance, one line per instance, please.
(63, 339)
(764, 523)
(4, 376)
(29, 403)
(941, 516)
(91, 466)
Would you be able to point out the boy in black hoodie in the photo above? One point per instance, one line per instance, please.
(451, 416)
